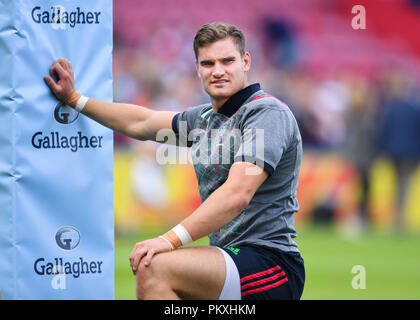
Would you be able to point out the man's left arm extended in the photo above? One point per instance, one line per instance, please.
(221, 207)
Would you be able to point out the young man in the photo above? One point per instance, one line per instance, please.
(248, 191)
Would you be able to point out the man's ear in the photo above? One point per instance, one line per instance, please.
(247, 61)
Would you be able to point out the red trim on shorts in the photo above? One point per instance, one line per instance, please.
(265, 280)
(271, 278)
(259, 274)
(265, 288)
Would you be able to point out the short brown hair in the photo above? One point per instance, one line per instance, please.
(212, 32)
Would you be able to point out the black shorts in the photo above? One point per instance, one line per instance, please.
(268, 274)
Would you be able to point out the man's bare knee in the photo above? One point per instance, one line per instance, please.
(144, 279)
(151, 283)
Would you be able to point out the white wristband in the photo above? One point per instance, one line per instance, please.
(182, 234)
(81, 103)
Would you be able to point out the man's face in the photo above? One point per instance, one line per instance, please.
(222, 70)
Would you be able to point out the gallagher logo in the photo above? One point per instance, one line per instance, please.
(65, 114)
(67, 238)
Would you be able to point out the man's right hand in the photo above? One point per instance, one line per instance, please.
(134, 121)
(64, 89)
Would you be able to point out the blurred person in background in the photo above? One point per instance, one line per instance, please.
(400, 134)
(249, 197)
(360, 145)
(280, 42)
(330, 101)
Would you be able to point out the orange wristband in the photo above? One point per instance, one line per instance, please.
(173, 239)
(72, 101)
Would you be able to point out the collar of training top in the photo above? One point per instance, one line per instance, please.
(237, 100)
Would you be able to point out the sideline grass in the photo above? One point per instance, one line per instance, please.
(391, 261)
(392, 264)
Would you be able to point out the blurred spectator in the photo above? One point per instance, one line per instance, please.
(360, 146)
(281, 42)
(297, 91)
(149, 182)
(400, 134)
(330, 102)
(414, 3)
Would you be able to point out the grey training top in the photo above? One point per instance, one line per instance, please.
(255, 127)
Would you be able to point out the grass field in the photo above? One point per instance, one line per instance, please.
(391, 263)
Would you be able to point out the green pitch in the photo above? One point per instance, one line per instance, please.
(334, 265)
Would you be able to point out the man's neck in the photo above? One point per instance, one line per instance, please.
(218, 103)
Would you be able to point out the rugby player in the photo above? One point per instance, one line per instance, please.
(248, 194)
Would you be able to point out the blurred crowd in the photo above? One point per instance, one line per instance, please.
(360, 115)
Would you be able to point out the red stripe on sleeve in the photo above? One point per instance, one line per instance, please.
(260, 96)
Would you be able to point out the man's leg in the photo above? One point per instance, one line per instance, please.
(185, 273)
